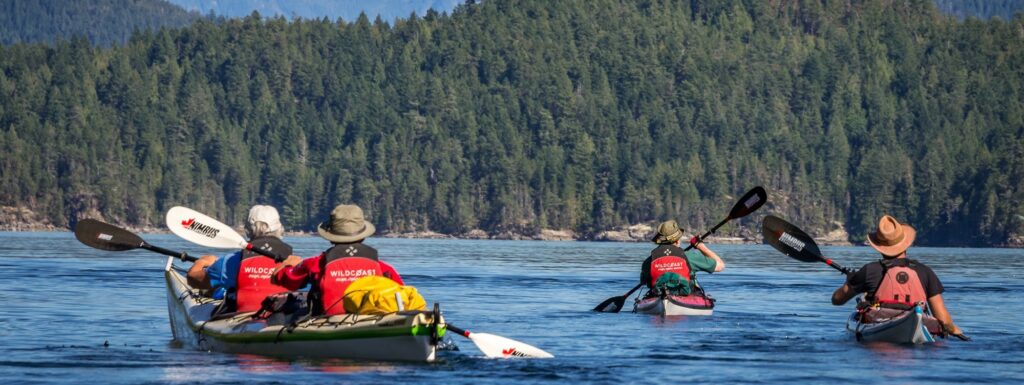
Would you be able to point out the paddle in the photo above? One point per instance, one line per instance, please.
(105, 236)
(748, 203)
(200, 229)
(500, 347)
(795, 243)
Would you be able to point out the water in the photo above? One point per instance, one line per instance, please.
(773, 322)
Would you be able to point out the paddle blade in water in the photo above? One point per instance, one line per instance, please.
(200, 229)
(750, 202)
(614, 304)
(500, 347)
(790, 240)
(611, 305)
(105, 236)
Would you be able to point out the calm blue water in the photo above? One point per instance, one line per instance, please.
(773, 323)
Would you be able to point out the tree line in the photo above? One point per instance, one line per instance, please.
(103, 22)
(523, 115)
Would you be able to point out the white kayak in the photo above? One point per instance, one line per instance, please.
(404, 336)
(893, 326)
(671, 305)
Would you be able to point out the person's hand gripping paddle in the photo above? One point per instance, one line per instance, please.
(795, 243)
(200, 229)
(750, 202)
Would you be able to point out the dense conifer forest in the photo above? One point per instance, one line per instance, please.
(514, 116)
(349, 10)
(103, 22)
(982, 9)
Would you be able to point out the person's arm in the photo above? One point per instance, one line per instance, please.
(843, 294)
(197, 277)
(719, 263)
(645, 271)
(293, 272)
(939, 311)
(856, 283)
(390, 272)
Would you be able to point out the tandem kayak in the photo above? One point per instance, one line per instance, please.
(403, 336)
(893, 325)
(693, 304)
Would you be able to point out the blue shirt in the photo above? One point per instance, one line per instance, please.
(223, 273)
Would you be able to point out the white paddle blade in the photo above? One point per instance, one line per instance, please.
(500, 347)
(200, 229)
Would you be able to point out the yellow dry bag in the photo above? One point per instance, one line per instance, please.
(379, 295)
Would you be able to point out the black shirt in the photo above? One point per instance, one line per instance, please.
(869, 277)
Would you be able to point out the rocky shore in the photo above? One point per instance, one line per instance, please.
(23, 219)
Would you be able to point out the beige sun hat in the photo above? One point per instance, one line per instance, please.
(668, 233)
(346, 225)
(891, 238)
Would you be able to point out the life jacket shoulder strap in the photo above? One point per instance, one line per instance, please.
(270, 244)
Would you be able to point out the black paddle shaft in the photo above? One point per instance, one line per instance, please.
(748, 203)
(105, 236)
(261, 251)
(180, 255)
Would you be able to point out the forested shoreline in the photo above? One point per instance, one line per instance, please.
(513, 117)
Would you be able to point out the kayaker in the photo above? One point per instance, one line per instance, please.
(348, 259)
(242, 278)
(668, 257)
(896, 281)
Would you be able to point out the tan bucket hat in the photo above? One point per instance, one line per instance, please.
(347, 225)
(892, 238)
(668, 233)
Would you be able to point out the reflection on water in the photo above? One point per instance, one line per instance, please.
(773, 321)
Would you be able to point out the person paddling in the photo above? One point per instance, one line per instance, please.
(331, 272)
(242, 278)
(668, 263)
(896, 281)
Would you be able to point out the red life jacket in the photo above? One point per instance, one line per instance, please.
(339, 267)
(900, 284)
(254, 283)
(665, 260)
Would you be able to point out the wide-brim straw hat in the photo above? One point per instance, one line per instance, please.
(891, 238)
(668, 233)
(346, 225)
